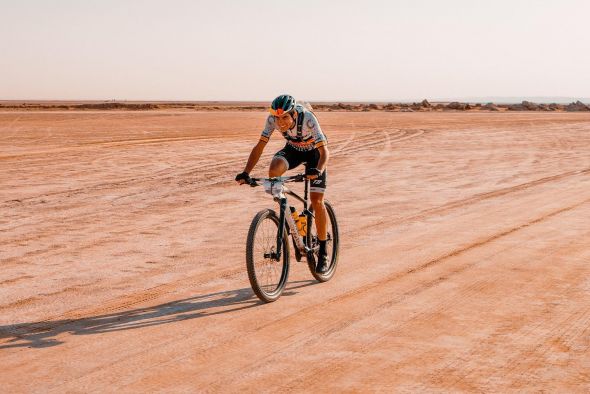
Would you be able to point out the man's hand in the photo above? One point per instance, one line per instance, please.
(242, 178)
(312, 173)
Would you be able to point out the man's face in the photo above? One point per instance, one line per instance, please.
(284, 122)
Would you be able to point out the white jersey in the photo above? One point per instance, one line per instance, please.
(305, 134)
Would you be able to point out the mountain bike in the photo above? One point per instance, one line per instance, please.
(267, 246)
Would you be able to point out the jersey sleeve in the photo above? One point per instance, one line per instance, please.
(313, 126)
(269, 127)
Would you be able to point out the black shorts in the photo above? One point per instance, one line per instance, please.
(311, 158)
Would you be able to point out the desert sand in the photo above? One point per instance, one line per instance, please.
(464, 261)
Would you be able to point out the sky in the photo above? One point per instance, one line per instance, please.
(320, 50)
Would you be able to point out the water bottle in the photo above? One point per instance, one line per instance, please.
(295, 215)
(302, 225)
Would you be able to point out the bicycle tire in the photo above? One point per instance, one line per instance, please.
(332, 250)
(253, 256)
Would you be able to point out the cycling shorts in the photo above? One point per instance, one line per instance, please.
(310, 158)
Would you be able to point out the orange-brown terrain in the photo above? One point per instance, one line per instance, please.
(464, 258)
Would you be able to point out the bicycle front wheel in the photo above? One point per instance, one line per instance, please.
(267, 274)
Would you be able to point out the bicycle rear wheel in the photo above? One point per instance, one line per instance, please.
(267, 275)
(332, 244)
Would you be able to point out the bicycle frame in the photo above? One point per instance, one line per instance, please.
(284, 218)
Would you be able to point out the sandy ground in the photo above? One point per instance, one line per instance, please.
(465, 258)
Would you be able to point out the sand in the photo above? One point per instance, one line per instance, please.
(464, 260)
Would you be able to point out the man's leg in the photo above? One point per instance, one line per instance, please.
(316, 195)
(319, 209)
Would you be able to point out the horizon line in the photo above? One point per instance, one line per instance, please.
(472, 99)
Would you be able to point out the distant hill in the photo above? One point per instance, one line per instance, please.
(516, 99)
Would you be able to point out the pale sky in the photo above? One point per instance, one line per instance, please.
(316, 50)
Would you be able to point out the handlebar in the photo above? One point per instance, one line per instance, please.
(283, 179)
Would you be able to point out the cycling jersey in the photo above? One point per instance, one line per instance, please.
(305, 134)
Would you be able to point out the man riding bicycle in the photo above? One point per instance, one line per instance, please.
(306, 143)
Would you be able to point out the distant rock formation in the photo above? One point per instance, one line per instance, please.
(577, 106)
(516, 107)
(422, 106)
(490, 107)
(458, 106)
(115, 105)
(530, 106)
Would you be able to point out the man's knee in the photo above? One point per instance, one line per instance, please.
(317, 199)
(278, 167)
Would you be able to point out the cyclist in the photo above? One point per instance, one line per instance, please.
(306, 143)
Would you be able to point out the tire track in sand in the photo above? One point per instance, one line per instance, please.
(354, 300)
(368, 140)
(503, 334)
(476, 198)
(158, 291)
(424, 213)
(446, 302)
(365, 142)
(356, 296)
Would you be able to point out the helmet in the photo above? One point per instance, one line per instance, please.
(282, 104)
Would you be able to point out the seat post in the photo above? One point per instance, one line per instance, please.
(305, 193)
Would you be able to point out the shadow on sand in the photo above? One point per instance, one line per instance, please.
(44, 333)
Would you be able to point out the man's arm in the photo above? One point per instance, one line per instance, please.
(254, 156)
(320, 140)
(324, 156)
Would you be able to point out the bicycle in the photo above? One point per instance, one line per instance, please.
(267, 246)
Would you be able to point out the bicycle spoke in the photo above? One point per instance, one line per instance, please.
(268, 269)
